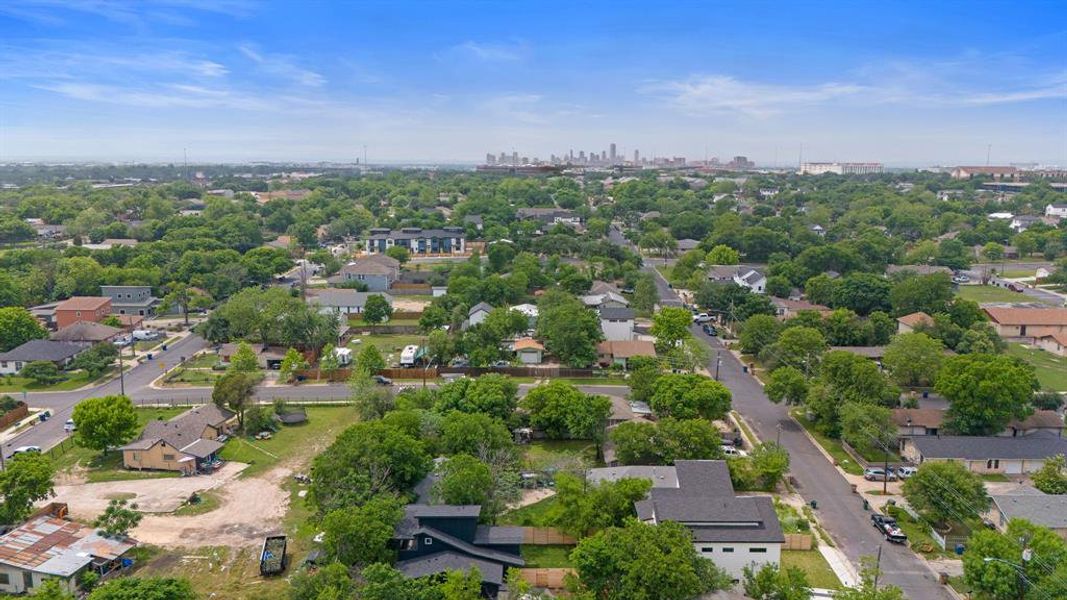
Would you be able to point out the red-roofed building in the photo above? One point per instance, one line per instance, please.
(82, 308)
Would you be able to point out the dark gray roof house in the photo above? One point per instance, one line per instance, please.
(59, 353)
(1040, 509)
(981, 448)
(616, 313)
(704, 501)
(86, 333)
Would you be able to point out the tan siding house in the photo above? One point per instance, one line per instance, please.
(187, 443)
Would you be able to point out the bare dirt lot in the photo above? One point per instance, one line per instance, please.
(88, 500)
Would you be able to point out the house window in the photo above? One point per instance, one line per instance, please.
(168, 457)
(136, 456)
(407, 544)
(77, 313)
(428, 541)
(727, 549)
(707, 549)
(5, 579)
(758, 550)
(993, 464)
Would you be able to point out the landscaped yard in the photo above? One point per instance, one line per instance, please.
(108, 467)
(990, 293)
(546, 557)
(202, 361)
(550, 454)
(323, 424)
(1051, 369)
(73, 380)
(192, 377)
(832, 446)
(819, 573)
(389, 344)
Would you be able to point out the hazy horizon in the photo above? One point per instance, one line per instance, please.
(907, 84)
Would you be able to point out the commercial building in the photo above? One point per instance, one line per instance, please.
(987, 171)
(448, 240)
(81, 308)
(130, 299)
(840, 168)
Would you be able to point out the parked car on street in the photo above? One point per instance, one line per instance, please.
(26, 449)
(144, 335)
(702, 318)
(708, 329)
(905, 472)
(879, 474)
(382, 380)
(733, 451)
(888, 527)
(1015, 287)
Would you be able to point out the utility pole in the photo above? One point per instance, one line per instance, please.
(122, 376)
(718, 363)
(877, 567)
(778, 435)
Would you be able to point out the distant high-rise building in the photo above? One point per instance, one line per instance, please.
(637, 156)
(490, 159)
(503, 159)
(818, 168)
(581, 156)
(514, 158)
(611, 154)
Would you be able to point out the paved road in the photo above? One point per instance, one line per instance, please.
(817, 479)
(666, 294)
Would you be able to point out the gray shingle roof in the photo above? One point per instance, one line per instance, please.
(1030, 447)
(616, 313)
(42, 350)
(478, 307)
(85, 331)
(340, 297)
(443, 562)
(1045, 510)
(181, 431)
(498, 534)
(660, 476)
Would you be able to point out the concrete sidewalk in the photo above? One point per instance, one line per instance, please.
(840, 565)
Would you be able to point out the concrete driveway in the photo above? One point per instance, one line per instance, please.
(88, 500)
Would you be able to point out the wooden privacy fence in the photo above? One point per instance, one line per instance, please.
(797, 541)
(546, 536)
(545, 578)
(21, 411)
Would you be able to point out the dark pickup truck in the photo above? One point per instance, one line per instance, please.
(887, 526)
(272, 559)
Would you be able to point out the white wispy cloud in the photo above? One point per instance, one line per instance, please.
(173, 12)
(723, 94)
(282, 66)
(489, 52)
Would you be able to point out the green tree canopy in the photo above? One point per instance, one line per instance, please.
(359, 535)
(25, 480)
(985, 392)
(943, 491)
(913, 359)
(105, 422)
(685, 396)
(17, 326)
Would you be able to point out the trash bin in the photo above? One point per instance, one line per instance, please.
(866, 504)
(814, 504)
(149, 356)
(744, 369)
(926, 394)
(959, 549)
(164, 347)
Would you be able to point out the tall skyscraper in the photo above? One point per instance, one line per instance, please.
(637, 156)
(611, 153)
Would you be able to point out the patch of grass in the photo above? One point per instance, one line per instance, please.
(1051, 369)
(995, 477)
(959, 584)
(813, 564)
(187, 376)
(791, 519)
(919, 539)
(209, 501)
(832, 446)
(546, 454)
(219, 572)
(324, 423)
(531, 515)
(991, 293)
(359, 323)
(147, 345)
(202, 361)
(108, 467)
(595, 380)
(547, 557)
(72, 381)
(389, 345)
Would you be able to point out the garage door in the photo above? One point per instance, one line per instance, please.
(1013, 467)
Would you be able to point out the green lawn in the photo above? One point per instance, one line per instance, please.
(989, 293)
(995, 477)
(194, 377)
(832, 446)
(73, 381)
(389, 345)
(202, 361)
(145, 346)
(358, 323)
(813, 564)
(546, 454)
(791, 519)
(209, 501)
(531, 515)
(1051, 369)
(547, 557)
(919, 539)
(323, 425)
(108, 467)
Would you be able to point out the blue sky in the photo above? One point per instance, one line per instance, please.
(905, 83)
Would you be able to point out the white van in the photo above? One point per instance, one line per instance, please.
(409, 355)
(143, 335)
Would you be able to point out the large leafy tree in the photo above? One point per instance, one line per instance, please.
(1051, 478)
(944, 491)
(863, 293)
(244, 358)
(234, 390)
(569, 329)
(584, 508)
(786, 384)
(798, 347)
(474, 433)
(491, 394)
(662, 443)
(758, 332)
(913, 359)
(17, 326)
(365, 460)
(645, 561)
(690, 396)
(25, 480)
(772, 582)
(927, 293)
(360, 535)
(670, 326)
(377, 309)
(118, 519)
(463, 479)
(105, 422)
(985, 392)
(330, 581)
(1000, 577)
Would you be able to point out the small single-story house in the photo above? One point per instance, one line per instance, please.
(86, 333)
(1043, 510)
(530, 310)
(1016, 323)
(269, 357)
(619, 352)
(58, 353)
(623, 410)
(49, 546)
(911, 422)
(908, 323)
(477, 313)
(342, 301)
(605, 300)
(687, 244)
(1056, 343)
(722, 273)
(1058, 211)
(987, 454)
(185, 443)
(752, 279)
(529, 351)
(617, 323)
(785, 308)
(733, 531)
